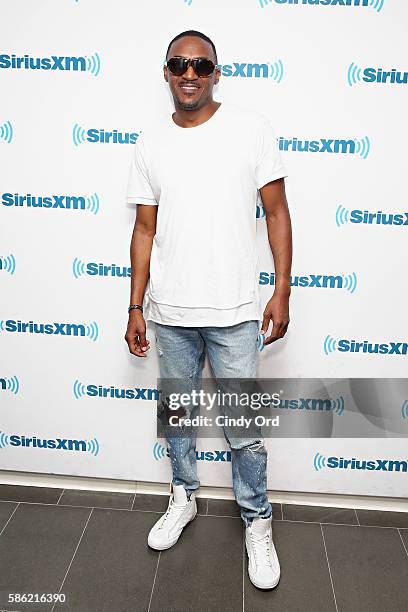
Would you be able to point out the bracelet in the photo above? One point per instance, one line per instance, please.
(135, 307)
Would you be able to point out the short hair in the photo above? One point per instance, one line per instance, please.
(193, 33)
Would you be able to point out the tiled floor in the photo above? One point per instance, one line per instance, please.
(91, 547)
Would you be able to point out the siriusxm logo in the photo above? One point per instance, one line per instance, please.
(68, 444)
(319, 281)
(79, 268)
(357, 75)
(365, 217)
(6, 132)
(160, 451)
(267, 70)
(351, 146)
(11, 384)
(88, 330)
(64, 202)
(330, 345)
(377, 465)
(99, 135)
(80, 63)
(80, 390)
(314, 404)
(377, 5)
(7, 263)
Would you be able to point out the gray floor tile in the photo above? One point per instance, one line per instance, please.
(203, 571)
(36, 547)
(319, 514)
(113, 569)
(404, 535)
(378, 518)
(6, 510)
(223, 507)
(43, 495)
(98, 499)
(369, 568)
(305, 580)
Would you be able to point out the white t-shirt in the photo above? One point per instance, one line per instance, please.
(205, 181)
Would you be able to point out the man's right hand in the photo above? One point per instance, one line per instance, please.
(136, 334)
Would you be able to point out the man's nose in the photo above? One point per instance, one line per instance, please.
(190, 74)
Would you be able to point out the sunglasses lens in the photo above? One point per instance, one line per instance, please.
(177, 65)
(204, 67)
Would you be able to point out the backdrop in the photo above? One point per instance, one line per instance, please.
(78, 81)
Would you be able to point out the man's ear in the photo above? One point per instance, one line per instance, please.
(165, 74)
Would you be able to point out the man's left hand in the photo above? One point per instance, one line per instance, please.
(276, 309)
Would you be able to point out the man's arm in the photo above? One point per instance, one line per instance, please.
(280, 239)
(140, 252)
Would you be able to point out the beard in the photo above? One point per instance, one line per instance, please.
(188, 105)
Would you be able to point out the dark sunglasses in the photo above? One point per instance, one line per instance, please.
(202, 66)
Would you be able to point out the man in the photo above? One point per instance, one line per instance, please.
(195, 178)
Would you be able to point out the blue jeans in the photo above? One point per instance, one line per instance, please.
(232, 353)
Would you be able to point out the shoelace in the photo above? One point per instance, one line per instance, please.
(261, 545)
(171, 509)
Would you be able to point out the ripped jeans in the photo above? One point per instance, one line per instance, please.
(232, 353)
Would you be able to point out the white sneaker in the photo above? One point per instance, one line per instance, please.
(180, 511)
(263, 562)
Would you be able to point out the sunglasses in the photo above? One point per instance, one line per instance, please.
(202, 66)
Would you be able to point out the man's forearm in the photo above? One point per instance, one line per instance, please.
(280, 240)
(140, 251)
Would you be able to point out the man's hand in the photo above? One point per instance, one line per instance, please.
(276, 309)
(136, 334)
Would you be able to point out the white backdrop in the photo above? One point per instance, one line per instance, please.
(342, 136)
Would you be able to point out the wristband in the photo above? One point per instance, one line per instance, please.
(135, 307)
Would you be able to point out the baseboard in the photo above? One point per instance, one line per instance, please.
(128, 486)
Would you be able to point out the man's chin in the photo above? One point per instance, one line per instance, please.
(187, 105)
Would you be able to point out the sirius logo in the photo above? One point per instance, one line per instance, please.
(99, 135)
(6, 132)
(67, 444)
(330, 345)
(160, 451)
(320, 281)
(88, 330)
(7, 263)
(64, 202)
(79, 268)
(314, 404)
(266, 70)
(357, 75)
(352, 146)
(377, 5)
(11, 384)
(80, 63)
(365, 217)
(80, 390)
(382, 465)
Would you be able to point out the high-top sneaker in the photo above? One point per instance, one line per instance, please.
(180, 511)
(263, 562)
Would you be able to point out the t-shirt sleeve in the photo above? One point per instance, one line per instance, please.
(139, 189)
(269, 164)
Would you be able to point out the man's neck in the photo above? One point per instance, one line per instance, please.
(192, 118)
